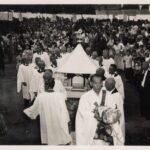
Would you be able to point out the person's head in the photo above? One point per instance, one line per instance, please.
(39, 48)
(96, 82)
(110, 84)
(145, 66)
(101, 72)
(105, 53)
(128, 52)
(94, 54)
(49, 83)
(112, 68)
(37, 60)
(41, 65)
(47, 74)
(24, 59)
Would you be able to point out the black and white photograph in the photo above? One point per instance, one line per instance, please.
(75, 74)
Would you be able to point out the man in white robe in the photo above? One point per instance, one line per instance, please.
(23, 80)
(110, 86)
(86, 124)
(43, 55)
(119, 83)
(58, 87)
(54, 117)
(36, 78)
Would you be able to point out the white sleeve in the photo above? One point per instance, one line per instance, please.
(33, 111)
(20, 79)
(120, 86)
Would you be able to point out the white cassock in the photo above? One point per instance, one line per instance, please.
(108, 62)
(54, 118)
(58, 87)
(86, 124)
(119, 84)
(119, 102)
(106, 71)
(44, 56)
(35, 82)
(24, 75)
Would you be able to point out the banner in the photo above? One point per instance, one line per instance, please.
(10, 16)
(74, 18)
(4, 16)
(20, 17)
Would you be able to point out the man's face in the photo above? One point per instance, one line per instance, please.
(97, 84)
(38, 49)
(105, 54)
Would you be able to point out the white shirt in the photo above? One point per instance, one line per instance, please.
(128, 61)
(108, 62)
(119, 84)
(44, 56)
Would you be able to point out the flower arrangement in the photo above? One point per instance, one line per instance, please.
(106, 117)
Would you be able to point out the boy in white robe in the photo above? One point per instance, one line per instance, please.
(110, 86)
(58, 87)
(86, 124)
(43, 55)
(23, 80)
(54, 117)
(36, 78)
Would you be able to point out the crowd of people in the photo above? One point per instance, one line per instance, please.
(116, 47)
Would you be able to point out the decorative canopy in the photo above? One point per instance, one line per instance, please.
(78, 63)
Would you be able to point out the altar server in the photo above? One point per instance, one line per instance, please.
(36, 78)
(110, 86)
(54, 117)
(23, 80)
(43, 55)
(119, 83)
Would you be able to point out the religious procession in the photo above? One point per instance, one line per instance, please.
(75, 81)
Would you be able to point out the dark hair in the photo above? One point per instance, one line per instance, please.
(49, 83)
(95, 75)
(114, 66)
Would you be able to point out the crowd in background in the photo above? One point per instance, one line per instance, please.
(119, 47)
(127, 43)
(121, 39)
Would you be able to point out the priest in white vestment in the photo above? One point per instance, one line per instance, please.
(110, 86)
(86, 124)
(54, 117)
